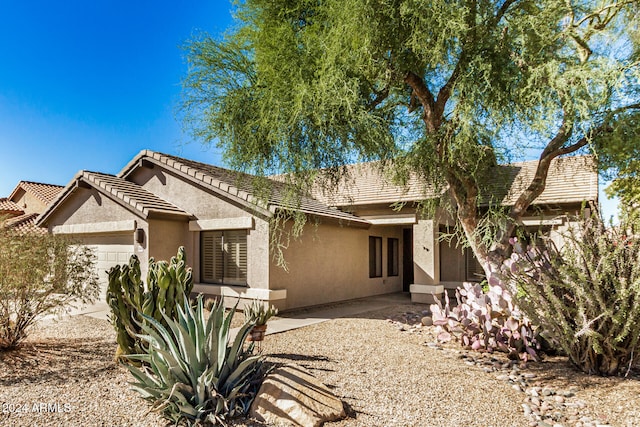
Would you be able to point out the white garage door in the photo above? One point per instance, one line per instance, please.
(110, 250)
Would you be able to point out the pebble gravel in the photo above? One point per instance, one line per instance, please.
(385, 366)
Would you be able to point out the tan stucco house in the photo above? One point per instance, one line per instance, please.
(27, 200)
(356, 245)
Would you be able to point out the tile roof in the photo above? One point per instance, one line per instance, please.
(25, 224)
(131, 194)
(570, 180)
(46, 193)
(9, 207)
(367, 183)
(240, 187)
(124, 192)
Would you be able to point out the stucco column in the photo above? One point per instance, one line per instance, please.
(426, 253)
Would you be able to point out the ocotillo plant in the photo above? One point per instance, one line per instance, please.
(168, 284)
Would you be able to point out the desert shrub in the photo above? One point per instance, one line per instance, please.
(585, 296)
(168, 284)
(40, 274)
(486, 321)
(190, 372)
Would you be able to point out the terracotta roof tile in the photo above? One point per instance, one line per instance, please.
(46, 193)
(366, 183)
(570, 180)
(25, 224)
(9, 207)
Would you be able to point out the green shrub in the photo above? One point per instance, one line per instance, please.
(40, 274)
(129, 299)
(586, 296)
(189, 371)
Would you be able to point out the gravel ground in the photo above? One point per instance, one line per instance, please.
(387, 372)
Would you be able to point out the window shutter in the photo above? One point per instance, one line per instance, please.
(207, 250)
(218, 257)
(235, 246)
(212, 256)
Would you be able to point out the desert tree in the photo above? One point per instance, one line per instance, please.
(40, 274)
(442, 89)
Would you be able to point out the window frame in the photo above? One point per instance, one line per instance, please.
(227, 245)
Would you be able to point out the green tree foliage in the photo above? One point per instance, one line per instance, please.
(40, 274)
(444, 89)
(620, 158)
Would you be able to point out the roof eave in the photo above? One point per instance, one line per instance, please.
(248, 201)
(66, 192)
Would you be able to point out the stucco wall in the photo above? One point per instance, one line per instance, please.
(189, 197)
(166, 236)
(331, 263)
(88, 206)
(28, 202)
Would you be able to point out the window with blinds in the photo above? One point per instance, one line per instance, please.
(224, 257)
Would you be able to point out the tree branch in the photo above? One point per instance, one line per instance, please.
(380, 96)
(503, 9)
(537, 185)
(425, 97)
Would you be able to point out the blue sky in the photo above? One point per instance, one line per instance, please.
(88, 84)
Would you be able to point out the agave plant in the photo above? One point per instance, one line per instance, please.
(258, 313)
(190, 372)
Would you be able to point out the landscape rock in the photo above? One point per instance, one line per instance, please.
(291, 396)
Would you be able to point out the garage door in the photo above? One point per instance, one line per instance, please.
(110, 250)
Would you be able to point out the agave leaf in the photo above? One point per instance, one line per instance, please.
(186, 346)
(225, 328)
(242, 370)
(174, 365)
(200, 338)
(166, 339)
(240, 339)
(141, 357)
(201, 389)
(144, 378)
(187, 318)
(145, 392)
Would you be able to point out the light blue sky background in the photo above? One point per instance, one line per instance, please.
(88, 84)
